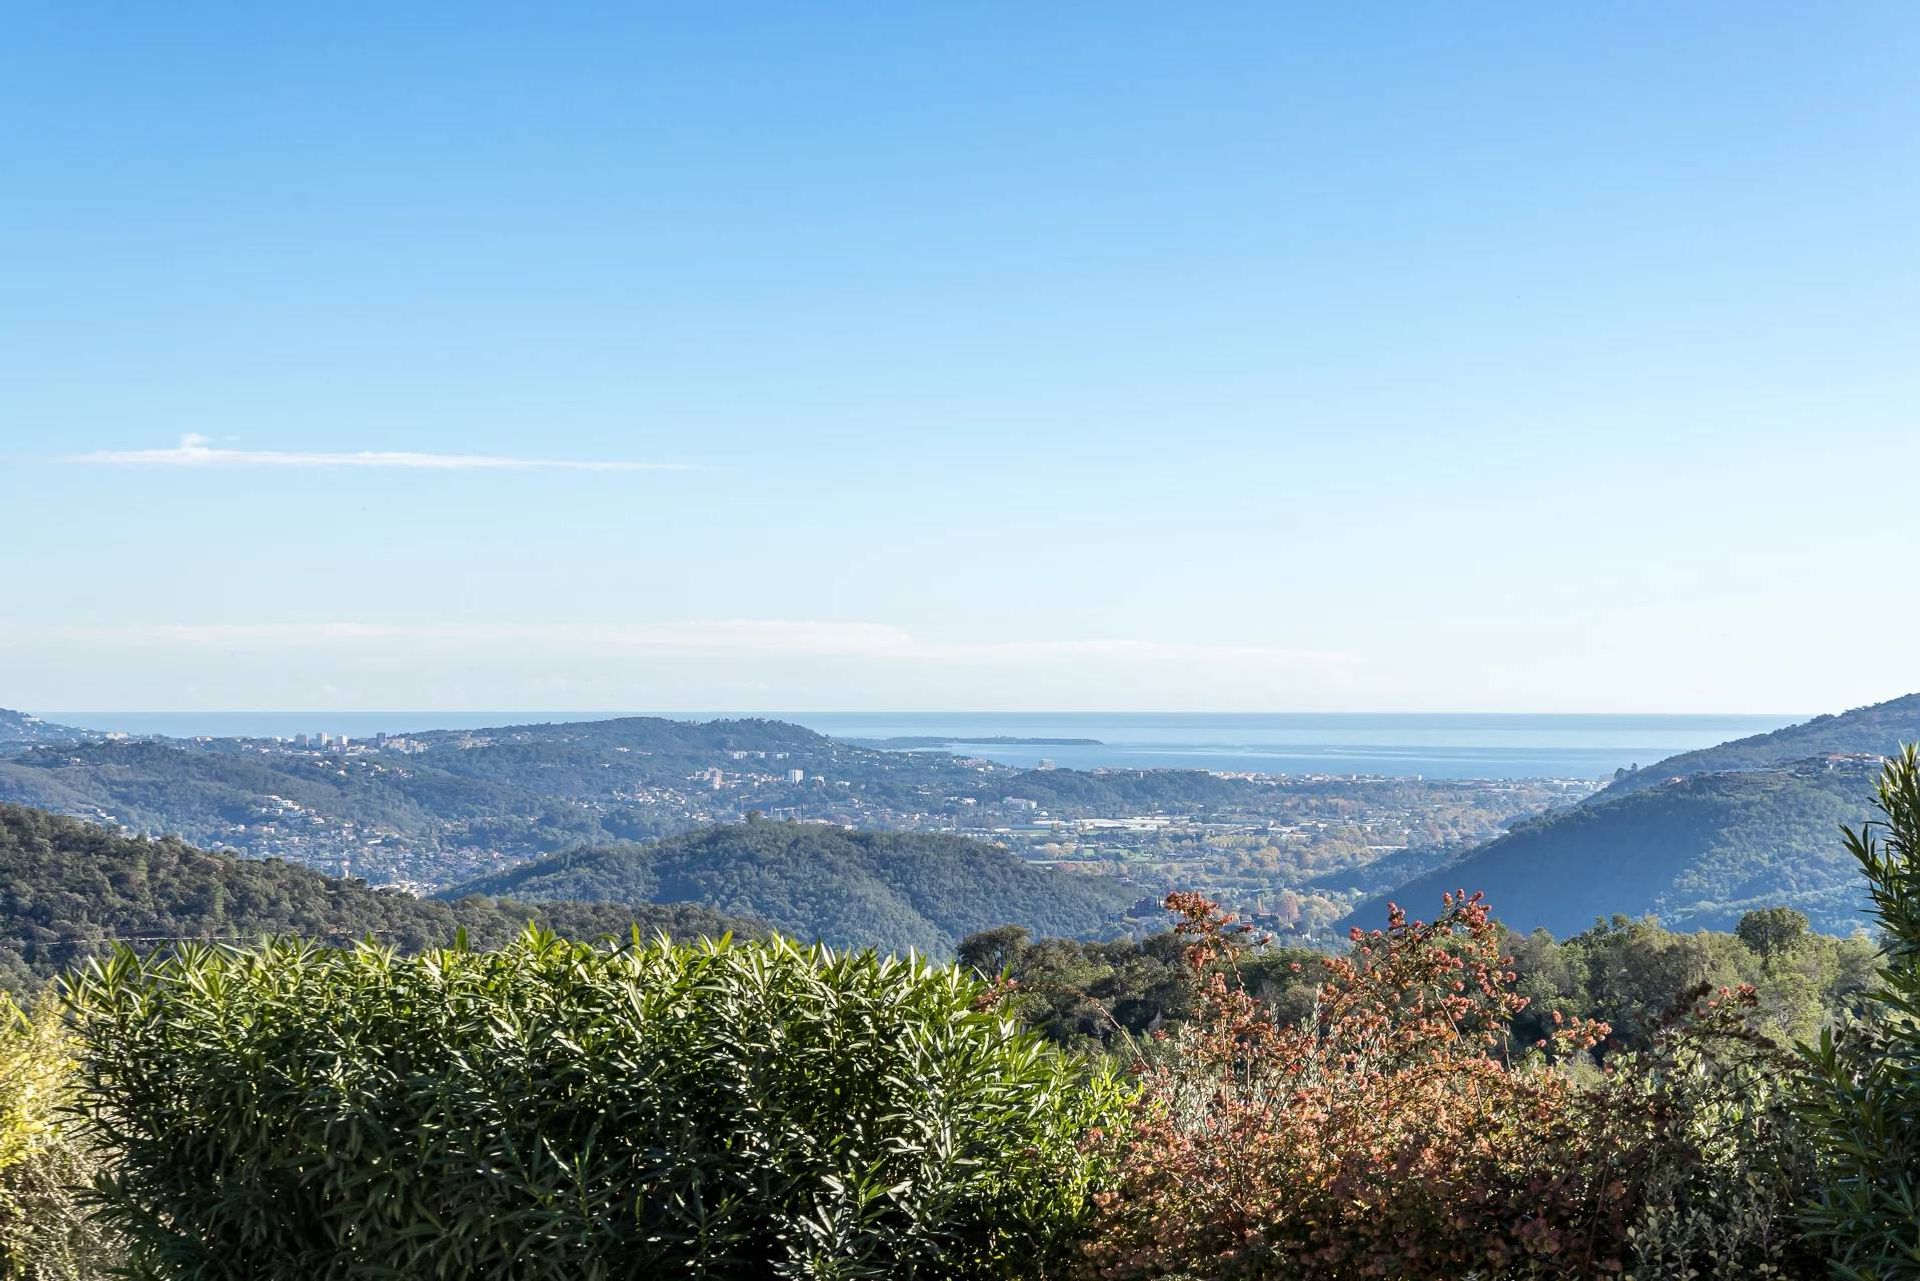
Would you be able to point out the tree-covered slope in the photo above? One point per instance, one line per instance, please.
(67, 887)
(893, 890)
(1696, 852)
(1878, 730)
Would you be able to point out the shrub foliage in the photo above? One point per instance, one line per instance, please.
(1862, 1100)
(1389, 1134)
(555, 1110)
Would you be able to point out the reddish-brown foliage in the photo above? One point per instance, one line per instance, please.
(1386, 1136)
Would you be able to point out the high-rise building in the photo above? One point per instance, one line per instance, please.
(796, 776)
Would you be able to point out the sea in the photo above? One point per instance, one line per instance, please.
(1428, 745)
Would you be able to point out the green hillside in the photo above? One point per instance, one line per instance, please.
(1696, 852)
(1878, 730)
(67, 887)
(893, 890)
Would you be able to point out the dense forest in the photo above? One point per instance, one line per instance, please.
(68, 889)
(1698, 851)
(891, 890)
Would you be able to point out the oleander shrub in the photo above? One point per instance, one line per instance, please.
(1391, 1133)
(724, 1110)
(1861, 1085)
(46, 1232)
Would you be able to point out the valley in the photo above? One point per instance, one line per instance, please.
(436, 808)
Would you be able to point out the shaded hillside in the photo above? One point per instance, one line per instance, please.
(1878, 730)
(1696, 853)
(67, 888)
(893, 890)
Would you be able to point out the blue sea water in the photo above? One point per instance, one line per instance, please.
(1430, 745)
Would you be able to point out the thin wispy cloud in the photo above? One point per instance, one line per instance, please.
(197, 451)
(756, 638)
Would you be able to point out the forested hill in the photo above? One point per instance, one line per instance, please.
(1878, 730)
(891, 890)
(67, 888)
(1696, 852)
(18, 727)
(653, 734)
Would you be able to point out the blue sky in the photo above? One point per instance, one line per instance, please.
(1236, 357)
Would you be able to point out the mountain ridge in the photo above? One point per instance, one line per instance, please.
(1877, 729)
(1695, 851)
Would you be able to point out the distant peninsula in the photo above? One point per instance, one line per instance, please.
(18, 728)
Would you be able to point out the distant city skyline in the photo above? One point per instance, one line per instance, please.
(1246, 358)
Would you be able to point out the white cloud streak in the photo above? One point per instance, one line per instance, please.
(755, 638)
(196, 451)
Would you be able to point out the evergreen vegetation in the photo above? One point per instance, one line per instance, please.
(1861, 1091)
(727, 1111)
(69, 889)
(891, 890)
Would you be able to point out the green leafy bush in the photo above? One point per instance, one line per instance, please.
(555, 1110)
(1701, 1134)
(1862, 1083)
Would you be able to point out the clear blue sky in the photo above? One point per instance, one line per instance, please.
(1217, 356)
